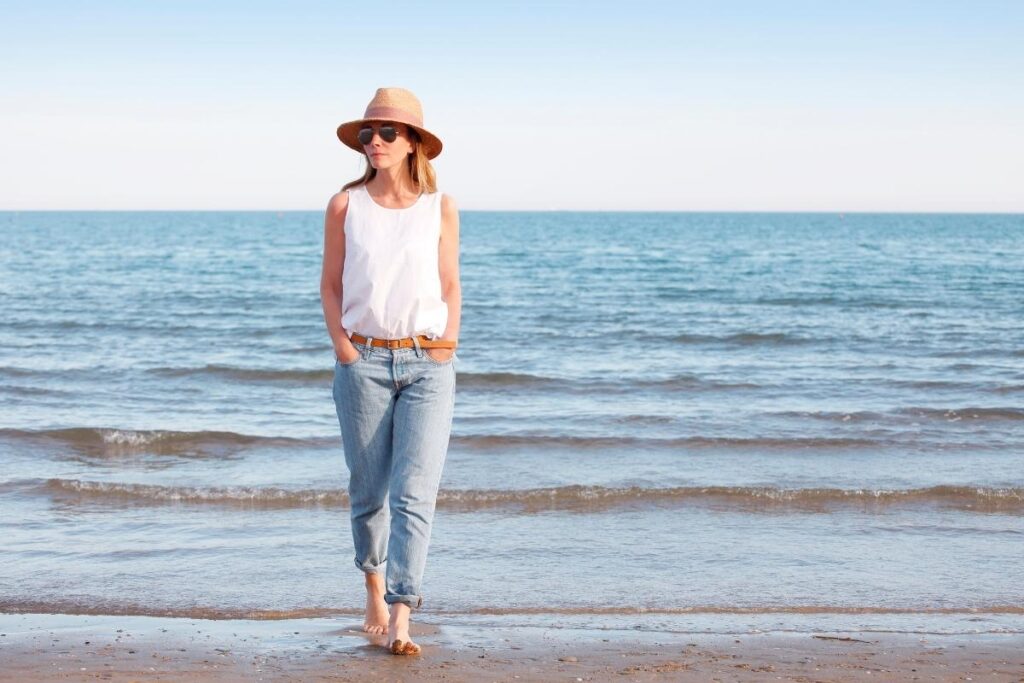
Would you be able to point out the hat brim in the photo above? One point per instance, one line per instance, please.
(348, 133)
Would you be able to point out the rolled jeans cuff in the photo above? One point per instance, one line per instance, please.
(368, 568)
(414, 601)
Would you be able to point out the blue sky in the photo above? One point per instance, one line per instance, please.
(838, 106)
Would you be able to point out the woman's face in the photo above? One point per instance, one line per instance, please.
(383, 154)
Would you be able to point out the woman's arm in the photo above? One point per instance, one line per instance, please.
(330, 276)
(448, 265)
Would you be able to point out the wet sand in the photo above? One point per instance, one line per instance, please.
(37, 647)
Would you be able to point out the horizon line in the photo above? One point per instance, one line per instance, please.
(461, 210)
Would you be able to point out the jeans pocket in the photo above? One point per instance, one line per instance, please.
(360, 348)
(432, 360)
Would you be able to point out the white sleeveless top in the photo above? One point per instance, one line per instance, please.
(391, 284)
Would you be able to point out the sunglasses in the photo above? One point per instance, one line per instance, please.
(387, 134)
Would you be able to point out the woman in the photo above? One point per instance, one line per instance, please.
(392, 301)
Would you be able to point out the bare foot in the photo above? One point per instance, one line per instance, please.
(377, 614)
(398, 631)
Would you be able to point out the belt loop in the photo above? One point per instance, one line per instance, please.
(416, 343)
(368, 348)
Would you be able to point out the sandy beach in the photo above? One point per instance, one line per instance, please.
(37, 647)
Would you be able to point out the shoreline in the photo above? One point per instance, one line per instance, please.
(62, 647)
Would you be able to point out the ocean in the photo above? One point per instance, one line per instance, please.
(715, 422)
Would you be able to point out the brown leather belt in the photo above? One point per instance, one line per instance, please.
(406, 342)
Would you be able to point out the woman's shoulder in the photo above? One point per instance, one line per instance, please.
(338, 202)
(447, 202)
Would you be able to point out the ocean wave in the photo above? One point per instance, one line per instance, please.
(494, 381)
(500, 380)
(101, 607)
(102, 441)
(248, 496)
(197, 325)
(579, 498)
(748, 339)
(967, 413)
(12, 371)
(16, 390)
(315, 376)
(513, 380)
(114, 607)
(467, 380)
(939, 414)
(540, 441)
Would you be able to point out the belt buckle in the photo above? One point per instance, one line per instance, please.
(394, 343)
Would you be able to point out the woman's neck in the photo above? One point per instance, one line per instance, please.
(392, 182)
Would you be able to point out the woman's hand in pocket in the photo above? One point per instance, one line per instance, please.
(440, 355)
(346, 353)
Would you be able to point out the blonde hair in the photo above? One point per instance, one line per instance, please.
(420, 169)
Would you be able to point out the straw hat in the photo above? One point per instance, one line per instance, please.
(392, 104)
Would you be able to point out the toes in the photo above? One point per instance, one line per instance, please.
(404, 647)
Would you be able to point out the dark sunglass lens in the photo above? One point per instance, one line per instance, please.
(365, 136)
(388, 133)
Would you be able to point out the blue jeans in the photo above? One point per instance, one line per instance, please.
(395, 410)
